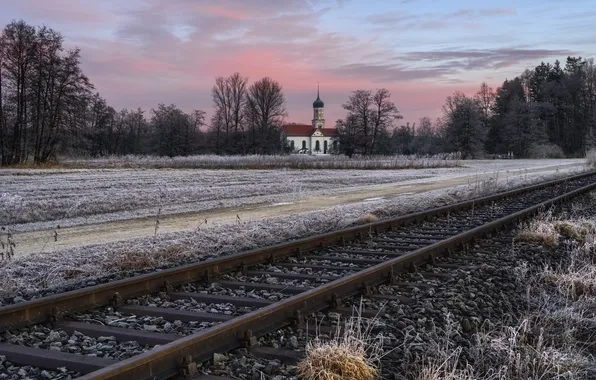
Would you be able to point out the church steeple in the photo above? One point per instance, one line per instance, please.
(318, 103)
(318, 106)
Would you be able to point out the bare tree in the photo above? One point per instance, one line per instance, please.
(385, 113)
(486, 98)
(3, 142)
(229, 97)
(19, 44)
(360, 112)
(265, 110)
(370, 116)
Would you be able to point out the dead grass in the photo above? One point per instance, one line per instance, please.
(555, 339)
(445, 365)
(352, 353)
(574, 284)
(581, 230)
(142, 259)
(524, 352)
(546, 230)
(367, 218)
(540, 230)
(261, 162)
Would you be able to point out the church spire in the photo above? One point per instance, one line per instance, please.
(318, 103)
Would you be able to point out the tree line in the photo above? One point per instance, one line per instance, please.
(48, 108)
(548, 111)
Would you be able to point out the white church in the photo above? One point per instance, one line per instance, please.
(315, 138)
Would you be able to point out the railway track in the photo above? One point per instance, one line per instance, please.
(160, 325)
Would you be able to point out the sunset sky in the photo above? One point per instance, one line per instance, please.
(139, 53)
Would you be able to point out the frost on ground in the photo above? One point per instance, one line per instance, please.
(555, 338)
(95, 196)
(43, 199)
(72, 268)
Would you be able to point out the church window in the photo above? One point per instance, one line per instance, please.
(325, 147)
(317, 146)
(303, 144)
(292, 144)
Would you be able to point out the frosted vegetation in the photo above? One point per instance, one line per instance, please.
(38, 199)
(42, 271)
(211, 161)
(591, 158)
(32, 196)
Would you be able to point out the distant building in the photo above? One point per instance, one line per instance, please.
(314, 138)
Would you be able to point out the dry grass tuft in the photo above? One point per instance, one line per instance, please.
(380, 213)
(545, 229)
(367, 218)
(336, 361)
(540, 230)
(353, 354)
(139, 259)
(582, 230)
(573, 282)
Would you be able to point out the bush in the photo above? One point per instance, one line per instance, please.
(546, 151)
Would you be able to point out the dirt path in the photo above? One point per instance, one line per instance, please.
(69, 237)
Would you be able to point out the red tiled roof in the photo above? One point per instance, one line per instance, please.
(298, 130)
(329, 132)
(304, 130)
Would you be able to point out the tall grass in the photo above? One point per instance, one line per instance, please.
(591, 158)
(268, 162)
(353, 352)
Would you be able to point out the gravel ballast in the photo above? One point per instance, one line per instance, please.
(487, 292)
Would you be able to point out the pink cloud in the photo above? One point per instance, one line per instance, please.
(226, 12)
(147, 62)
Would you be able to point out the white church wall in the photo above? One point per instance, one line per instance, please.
(310, 143)
(298, 142)
(321, 141)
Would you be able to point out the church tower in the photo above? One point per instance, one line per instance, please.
(318, 120)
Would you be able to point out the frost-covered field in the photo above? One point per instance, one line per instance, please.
(91, 196)
(42, 199)
(84, 266)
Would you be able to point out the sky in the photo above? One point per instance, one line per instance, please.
(139, 53)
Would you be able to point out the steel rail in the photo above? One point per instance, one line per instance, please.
(168, 359)
(55, 306)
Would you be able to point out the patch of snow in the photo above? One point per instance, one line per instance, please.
(281, 204)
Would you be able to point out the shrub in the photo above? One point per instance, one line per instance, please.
(546, 151)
